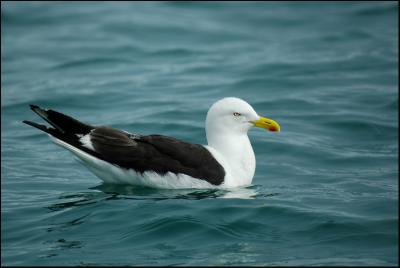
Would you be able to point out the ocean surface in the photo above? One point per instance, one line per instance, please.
(325, 190)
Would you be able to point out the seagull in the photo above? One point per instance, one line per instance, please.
(158, 161)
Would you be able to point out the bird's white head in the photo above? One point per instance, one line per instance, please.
(227, 123)
(234, 115)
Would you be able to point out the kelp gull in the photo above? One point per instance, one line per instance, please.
(159, 161)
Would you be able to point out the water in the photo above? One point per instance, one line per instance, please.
(325, 190)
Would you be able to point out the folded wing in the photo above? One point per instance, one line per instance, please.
(157, 153)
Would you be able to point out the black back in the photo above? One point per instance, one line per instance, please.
(157, 153)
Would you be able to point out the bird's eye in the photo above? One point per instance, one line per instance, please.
(236, 114)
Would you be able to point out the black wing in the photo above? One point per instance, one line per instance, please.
(157, 153)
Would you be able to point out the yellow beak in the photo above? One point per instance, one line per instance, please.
(266, 123)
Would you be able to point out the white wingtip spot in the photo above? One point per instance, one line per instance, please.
(86, 142)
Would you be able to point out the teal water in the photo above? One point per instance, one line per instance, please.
(325, 190)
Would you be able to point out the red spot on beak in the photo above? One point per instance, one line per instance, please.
(273, 128)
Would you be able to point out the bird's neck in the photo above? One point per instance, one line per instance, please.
(237, 157)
